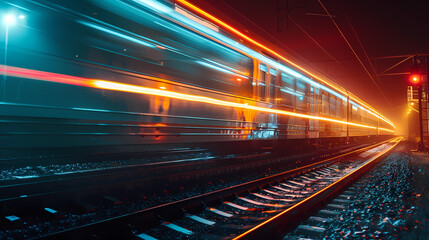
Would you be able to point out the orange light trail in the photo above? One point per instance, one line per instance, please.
(196, 98)
(115, 86)
(240, 34)
(160, 47)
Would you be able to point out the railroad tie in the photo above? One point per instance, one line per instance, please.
(346, 197)
(177, 228)
(201, 220)
(272, 199)
(237, 206)
(283, 189)
(319, 220)
(260, 203)
(311, 231)
(336, 207)
(144, 236)
(219, 212)
(341, 201)
(327, 213)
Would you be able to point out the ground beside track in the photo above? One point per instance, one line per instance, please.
(420, 166)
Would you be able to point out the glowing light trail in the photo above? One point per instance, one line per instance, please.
(238, 33)
(195, 98)
(115, 86)
(224, 40)
(103, 29)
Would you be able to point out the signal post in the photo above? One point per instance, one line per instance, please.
(416, 80)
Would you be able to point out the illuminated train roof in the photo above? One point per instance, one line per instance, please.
(208, 29)
(354, 99)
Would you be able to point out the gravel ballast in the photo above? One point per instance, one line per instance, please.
(389, 202)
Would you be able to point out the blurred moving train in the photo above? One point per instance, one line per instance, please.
(96, 76)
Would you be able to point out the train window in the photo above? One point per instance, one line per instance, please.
(344, 107)
(325, 103)
(354, 115)
(301, 98)
(314, 100)
(333, 106)
(262, 81)
(273, 77)
(287, 90)
(288, 81)
(338, 107)
(301, 86)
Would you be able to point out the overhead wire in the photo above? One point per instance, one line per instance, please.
(314, 40)
(265, 31)
(354, 52)
(366, 55)
(396, 64)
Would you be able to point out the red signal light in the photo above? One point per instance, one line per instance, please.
(415, 79)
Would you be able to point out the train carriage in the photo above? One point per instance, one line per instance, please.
(93, 76)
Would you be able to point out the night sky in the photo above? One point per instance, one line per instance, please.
(381, 28)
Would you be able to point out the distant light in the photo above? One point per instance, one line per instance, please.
(415, 79)
(163, 88)
(21, 17)
(9, 19)
(412, 104)
(239, 79)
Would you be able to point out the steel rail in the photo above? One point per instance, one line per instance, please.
(272, 228)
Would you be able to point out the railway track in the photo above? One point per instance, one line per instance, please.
(51, 202)
(250, 210)
(379, 205)
(288, 218)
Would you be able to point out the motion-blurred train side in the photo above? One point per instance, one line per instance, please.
(95, 76)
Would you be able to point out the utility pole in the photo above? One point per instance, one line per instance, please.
(421, 146)
(416, 79)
